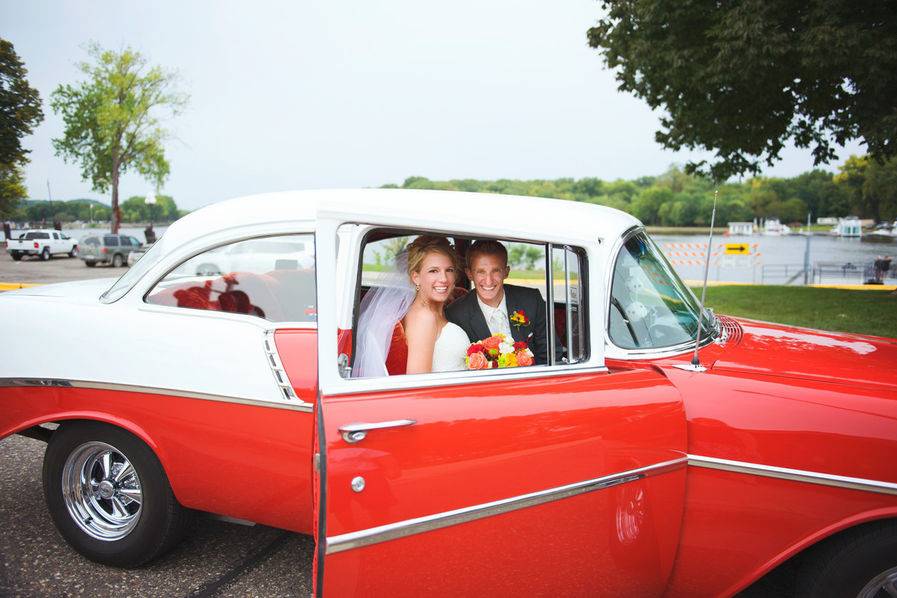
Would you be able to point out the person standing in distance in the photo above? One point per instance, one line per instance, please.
(499, 307)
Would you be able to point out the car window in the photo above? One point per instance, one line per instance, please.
(532, 315)
(56, 236)
(246, 278)
(65, 237)
(650, 307)
(568, 294)
(110, 241)
(33, 236)
(93, 241)
(134, 242)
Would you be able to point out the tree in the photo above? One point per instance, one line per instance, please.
(12, 189)
(20, 112)
(743, 78)
(112, 120)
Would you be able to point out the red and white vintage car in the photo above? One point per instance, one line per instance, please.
(615, 469)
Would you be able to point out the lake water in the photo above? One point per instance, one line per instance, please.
(775, 260)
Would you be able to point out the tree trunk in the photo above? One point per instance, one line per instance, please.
(116, 211)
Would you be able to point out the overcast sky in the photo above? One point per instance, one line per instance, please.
(323, 93)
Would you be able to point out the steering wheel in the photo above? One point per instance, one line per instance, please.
(616, 303)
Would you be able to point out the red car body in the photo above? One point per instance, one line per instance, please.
(637, 478)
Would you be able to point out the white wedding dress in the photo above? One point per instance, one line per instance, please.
(450, 349)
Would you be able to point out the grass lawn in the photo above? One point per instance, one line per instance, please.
(865, 312)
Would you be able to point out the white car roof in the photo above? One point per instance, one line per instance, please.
(507, 215)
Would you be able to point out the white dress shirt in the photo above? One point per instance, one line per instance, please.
(496, 317)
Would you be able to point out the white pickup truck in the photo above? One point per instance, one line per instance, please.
(44, 243)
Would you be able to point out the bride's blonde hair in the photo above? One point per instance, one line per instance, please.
(425, 245)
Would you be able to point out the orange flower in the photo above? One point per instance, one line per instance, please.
(492, 343)
(524, 358)
(477, 361)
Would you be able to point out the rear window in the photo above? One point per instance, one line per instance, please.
(30, 236)
(92, 241)
(110, 241)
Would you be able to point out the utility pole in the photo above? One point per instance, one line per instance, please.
(807, 253)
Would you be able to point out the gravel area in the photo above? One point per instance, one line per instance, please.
(215, 559)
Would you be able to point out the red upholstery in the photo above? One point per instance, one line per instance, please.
(397, 358)
(560, 321)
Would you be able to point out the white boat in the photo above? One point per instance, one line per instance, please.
(848, 227)
(772, 227)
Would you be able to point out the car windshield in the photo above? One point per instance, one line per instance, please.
(650, 307)
(135, 272)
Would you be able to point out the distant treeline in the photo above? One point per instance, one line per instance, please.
(862, 187)
(133, 209)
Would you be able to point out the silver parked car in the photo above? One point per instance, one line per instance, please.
(108, 249)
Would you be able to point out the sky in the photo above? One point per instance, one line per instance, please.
(331, 94)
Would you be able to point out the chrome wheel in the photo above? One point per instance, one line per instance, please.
(101, 491)
(883, 585)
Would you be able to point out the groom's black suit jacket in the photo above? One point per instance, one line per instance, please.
(466, 313)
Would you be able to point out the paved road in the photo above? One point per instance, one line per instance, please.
(216, 559)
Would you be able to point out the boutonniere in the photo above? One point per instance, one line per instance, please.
(518, 318)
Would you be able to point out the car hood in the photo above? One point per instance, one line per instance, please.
(833, 357)
(77, 290)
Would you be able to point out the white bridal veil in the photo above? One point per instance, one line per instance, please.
(386, 302)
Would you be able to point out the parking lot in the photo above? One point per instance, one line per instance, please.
(58, 269)
(216, 559)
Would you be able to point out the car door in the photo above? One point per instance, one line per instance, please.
(563, 479)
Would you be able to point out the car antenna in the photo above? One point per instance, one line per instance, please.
(695, 365)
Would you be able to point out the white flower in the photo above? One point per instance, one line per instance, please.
(505, 347)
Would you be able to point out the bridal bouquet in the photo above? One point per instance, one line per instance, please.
(498, 351)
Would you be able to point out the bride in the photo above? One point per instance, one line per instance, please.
(433, 343)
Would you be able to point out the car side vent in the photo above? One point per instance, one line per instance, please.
(731, 329)
(280, 374)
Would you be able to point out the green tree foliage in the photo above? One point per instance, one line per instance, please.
(675, 198)
(871, 187)
(112, 120)
(20, 112)
(12, 190)
(743, 78)
(135, 209)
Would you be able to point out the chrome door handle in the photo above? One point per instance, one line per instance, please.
(353, 433)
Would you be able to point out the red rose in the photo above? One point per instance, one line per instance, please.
(524, 359)
(475, 348)
(477, 361)
(520, 346)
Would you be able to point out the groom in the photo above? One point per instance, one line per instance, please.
(496, 306)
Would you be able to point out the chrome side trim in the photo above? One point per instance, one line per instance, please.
(796, 475)
(280, 372)
(418, 525)
(61, 383)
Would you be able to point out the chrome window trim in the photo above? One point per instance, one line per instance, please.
(281, 378)
(613, 351)
(172, 392)
(179, 255)
(418, 525)
(256, 321)
(551, 358)
(333, 384)
(445, 379)
(796, 475)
